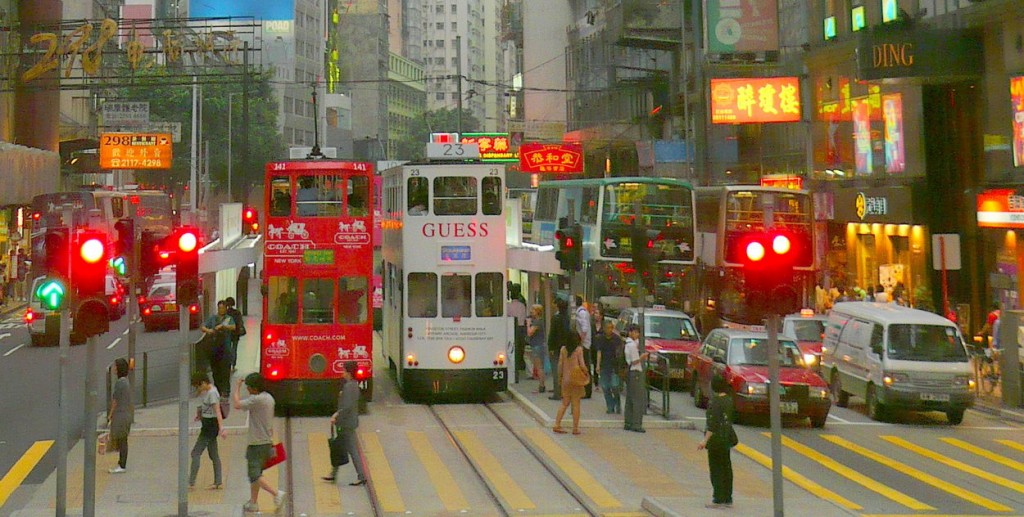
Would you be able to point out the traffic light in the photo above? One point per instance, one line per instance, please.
(51, 294)
(124, 246)
(55, 247)
(153, 254)
(250, 221)
(768, 259)
(88, 277)
(185, 243)
(570, 252)
(645, 250)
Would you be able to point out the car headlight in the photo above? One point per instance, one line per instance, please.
(810, 359)
(890, 378)
(963, 381)
(755, 388)
(818, 393)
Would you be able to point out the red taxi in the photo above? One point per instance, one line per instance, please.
(158, 309)
(669, 333)
(808, 329)
(742, 358)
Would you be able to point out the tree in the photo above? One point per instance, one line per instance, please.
(444, 120)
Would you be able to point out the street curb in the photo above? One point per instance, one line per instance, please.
(18, 307)
(547, 421)
(657, 508)
(193, 429)
(1005, 414)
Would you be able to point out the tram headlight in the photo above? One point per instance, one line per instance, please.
(411, 360)
(456, 354)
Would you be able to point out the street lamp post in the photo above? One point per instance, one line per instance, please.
(230, 138)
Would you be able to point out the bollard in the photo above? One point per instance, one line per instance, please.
(109, 389)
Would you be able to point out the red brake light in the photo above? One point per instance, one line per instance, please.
(164, 255)
(147, 311)
(274, 373)
(29, 316)
(193, 308)
(36, 216)
(113, 300)
(142, 300)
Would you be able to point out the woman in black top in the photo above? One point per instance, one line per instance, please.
(719, 438)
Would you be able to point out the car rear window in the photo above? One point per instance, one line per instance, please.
(665, 327)
(808, 330)
(754, 352)
(160, 291)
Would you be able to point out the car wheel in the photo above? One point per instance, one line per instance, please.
(876, 411)
(819, 421)
(841, 397)
(955, 416)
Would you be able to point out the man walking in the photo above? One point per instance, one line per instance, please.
(346, 421)
(517, 309)
(239, 330)
(557, 338)
(609, 347)
(260, 440)
(583, 328)
(636, 395)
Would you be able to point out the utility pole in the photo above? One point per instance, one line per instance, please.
(246, 80)
(194, 166)
(700, 113)
(62, 380)
(458, 78)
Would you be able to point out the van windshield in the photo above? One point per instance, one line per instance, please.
(935, 343)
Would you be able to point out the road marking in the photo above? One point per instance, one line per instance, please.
(854, 476)
(384, 484)
(20, 470)
(112, 345)
(5, 335)
(444, 483)
(491, 468)
(918, 474)
(205, 478)
(576, 472)
(843, 420)
(998, 458)
(959, 465)
(15, 349)
(799, 480)
(125, 333)
(1012, 444)
(327, 496)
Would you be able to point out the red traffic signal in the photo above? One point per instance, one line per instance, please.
(768, 259)
(250, 220)
(186, 274)
(89, 258)
(570, 254)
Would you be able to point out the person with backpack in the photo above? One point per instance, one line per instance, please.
(610, 354)
(239, 331)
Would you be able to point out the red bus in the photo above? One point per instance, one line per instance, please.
(318, 266)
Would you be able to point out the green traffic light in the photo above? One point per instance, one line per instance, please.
(118, 264)
(51, 294)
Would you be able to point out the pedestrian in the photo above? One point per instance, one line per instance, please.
(346, 420)
(570, 358)
(237, 332)
(596, 328)
(636, 394)
(880, 295)
(517, 310)
(719, 439)
(211, 427)
(609, 346)
(122, 412)
(558, 335)
(260, 440)
(583, 328)
(538, 346)
(219, 327)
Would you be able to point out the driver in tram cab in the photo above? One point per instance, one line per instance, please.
(307, 196)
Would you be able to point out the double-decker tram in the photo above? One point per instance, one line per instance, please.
(445, 333)
(727, 215)
(318, 265)
(607, 210)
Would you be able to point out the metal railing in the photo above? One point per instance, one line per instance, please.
(658, 380)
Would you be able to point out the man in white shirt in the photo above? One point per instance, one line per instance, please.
(583, 328)
(517, 309)
(636, 394)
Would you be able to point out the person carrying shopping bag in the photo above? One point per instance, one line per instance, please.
(346, 421)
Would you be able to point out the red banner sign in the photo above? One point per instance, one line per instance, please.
(783, 181)
(1000, 208)
(761, 99)
(561, 158)
(1017, 104)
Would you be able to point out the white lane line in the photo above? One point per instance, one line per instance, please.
(830, 415)
(125, 333)
(112, 345)
(5, 334)
(11, 351)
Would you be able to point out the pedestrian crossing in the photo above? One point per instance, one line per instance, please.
(415, 471)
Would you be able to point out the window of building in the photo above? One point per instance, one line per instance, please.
(455, 96)
(455, 8)
(455, 61)
(317, 297)
(440, 43)
(439, 26)
(455, 26)
(422, 301)
(439, 9)
(439, 96)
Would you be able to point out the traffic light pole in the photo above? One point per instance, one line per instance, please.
(132, 299)
(774, 411)
(183, 392)
(62, 387)
(89, 475)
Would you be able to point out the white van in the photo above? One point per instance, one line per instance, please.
(896, 357)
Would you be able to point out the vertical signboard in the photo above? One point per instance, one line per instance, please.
(741, 26)
(1017, 111)
(892, 113)
(862, 135)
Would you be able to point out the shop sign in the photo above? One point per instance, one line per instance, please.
(918, 53)
(874, 205)
(787, 181)
(862, 136)
(757, 99)
(1001, 208)
(742, 26)
(125, 113)
(1017, 109)
(871, 205)
(135, 151)
(561, 158)
(494, 147)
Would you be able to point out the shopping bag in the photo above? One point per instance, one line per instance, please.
(339, 456)
(579, 377)
(278, 456)
(101, 442)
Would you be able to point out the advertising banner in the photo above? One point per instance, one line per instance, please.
(741, 26)
(494, 147)
(135, 151)
(756, 99)
(1001, 208)
(862, 135)
(1017, 105)
(561, 158)
(892, 113)
(260, 9)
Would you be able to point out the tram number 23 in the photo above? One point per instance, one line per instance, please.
(498, 375)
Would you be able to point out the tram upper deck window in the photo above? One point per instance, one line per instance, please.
(352, 299)
(422, 295)
(282, 299)
(455, 195)
(319, 196)
(456, 295)
(317, 297)
(490, 201)
(490, 294)
(418, 196)
(280, 197)
(660, 205)
(358, 190)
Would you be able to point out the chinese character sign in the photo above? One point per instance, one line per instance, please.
(1017, 102)
(762, 99)
(892, 113)
(494, 147)
(135, 151)
(559, 158)
(1001, 208)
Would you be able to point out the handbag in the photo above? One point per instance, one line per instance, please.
(339, 456)
(278, 456)
(578, 376)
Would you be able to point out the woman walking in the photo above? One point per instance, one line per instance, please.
(121, 415)
(570, 358)
(719, 439)
(212, 419)
(538, 344)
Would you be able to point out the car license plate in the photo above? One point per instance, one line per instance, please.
(789, 406)
(169, 307)
(935, 397)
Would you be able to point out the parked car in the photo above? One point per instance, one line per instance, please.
(672, 334)
(741, 357)
(808, 329)
(117, 297)
(159, 309)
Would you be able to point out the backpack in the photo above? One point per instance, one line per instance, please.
(620, 357)
(239, 324)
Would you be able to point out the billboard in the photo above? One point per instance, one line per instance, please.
(1001, 208)
(758, 99)
(494, 147)
(560, 158)
(862, 135)
(892, 114)
(135, 151)
(741, 26)
(261, 9)
(1017, 112)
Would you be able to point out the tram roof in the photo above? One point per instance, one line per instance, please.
(590, 182)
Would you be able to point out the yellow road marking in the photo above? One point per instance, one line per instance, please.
(384, 484)
(21, 469)
(919, 475)
(855, 476)
(490, 467)
(576, 472)
(959, 465)
(444, 483)
(614, 450)
(745, 482)
(326, 495)
(205, 478)
(799, 479)
(927, 515)
(998, 458)
(1012, 444)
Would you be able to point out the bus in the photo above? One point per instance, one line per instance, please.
(447, 334)
(727, 215)
(607, 210)
(318, 265)
(151, 210)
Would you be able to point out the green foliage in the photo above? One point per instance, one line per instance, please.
(439, 121)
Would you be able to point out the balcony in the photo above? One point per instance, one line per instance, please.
(649, 24)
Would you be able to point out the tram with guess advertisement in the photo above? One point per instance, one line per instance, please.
(447, 334)
(317, 279)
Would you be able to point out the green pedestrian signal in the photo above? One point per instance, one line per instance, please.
(51, 294)
(118, 264)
